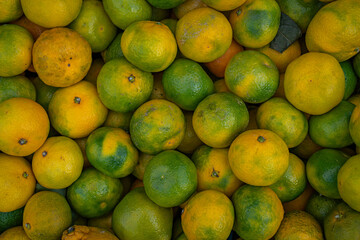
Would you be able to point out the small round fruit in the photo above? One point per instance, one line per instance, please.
(170, 178)
(320, 206)
(208, 215)
(18, 86)
(259, 157)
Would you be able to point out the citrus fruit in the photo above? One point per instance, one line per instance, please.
(16, 44)
(348, 181)
(213, 170)
(170, 23)
(84, 232)
(104, 222)
(282, 59)
(224, 5)
(322, 170)
(182, 236)
(217, 67)
(94, 194)
(58, 162)
(111, 151)
(61, 57)
(264, 162)
(258, 212)
(124, 12)
(255, 23)
(220, 86)
(300, 11)
(17, 182)
(306, 148)
(252, 76)
(157, 125)
(46, 215)
(77, 110)
(208, 215)
(197, 34)
(331, 129)
(15, 233)
(17, 86)
(49, 14)
(170, 178)
(11, 219)
(310, 90)
(279, 116)
(34, 29)
(356, 64)
(136, 217)
(187, 6)
(113, 50)
(166, 4)
(301, 201)
(186, 83)
(149, 45)
(190, 141)
(299, 225)
(293, 182)
(94, 25)
(354, 125)
(335, 30)
(219, 118)
(10, 10)
(118, 120)
(354, 99)
(122, 87)
(159, 14)
(24, 126)
(144, 160)
(350, 78)
(44, 92)
(94, 70)
(320, 206)
(342, 223)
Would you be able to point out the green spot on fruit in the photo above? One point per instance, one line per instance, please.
(22, 141)
(238, 12)
(77, 100)
(261, 139)
(70, 229)
(27, 225)
(25, 174)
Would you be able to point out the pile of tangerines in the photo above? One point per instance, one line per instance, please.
(179, 119)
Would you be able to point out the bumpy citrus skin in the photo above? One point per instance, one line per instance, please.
(203, 34)
(94, 25)
(58, 162)
(111, 151)
(122, 87)
(61, 57)
(313, 91)
(213, 170)
(149, 45)
(18, 86)
(354, 125)
(212, 122)
(224, 5)
(77, 110)
(24, 126)
(335, 30)
(320, 206)
(157, 125)
(46, 215)
(166, 4)
(348, 180)
(322, 171)
(293, 182)
(258, 157)
(208, 215)
(258, 212)
(186, 83)
(253, 76)
(137, 217)
(123, 13)
(18, 182)
(170, 178)
(279, 116)
(10, 10)
(190, 141)
(299, 225)
(16, 44)
(15, 233)
(331, 129)
(50, 14)
(255, 23)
